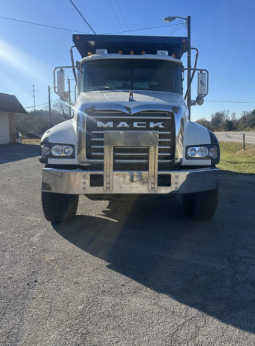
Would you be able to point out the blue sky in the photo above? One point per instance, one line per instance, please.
(222, 30)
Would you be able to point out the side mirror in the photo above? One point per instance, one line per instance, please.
(61, 85)
(61, 81)
(202, 84)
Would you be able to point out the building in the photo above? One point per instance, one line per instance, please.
(9, 107)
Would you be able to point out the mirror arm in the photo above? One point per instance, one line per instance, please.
(193, 74)
(72, 60)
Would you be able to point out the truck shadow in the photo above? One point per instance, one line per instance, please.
(199, 264)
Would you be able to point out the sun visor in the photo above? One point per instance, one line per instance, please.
(115, 43)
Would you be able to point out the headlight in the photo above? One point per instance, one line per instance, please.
(68, 151)
(61, 150)
(57, 150)
(202, 152)
(52, 150)
(192, 152)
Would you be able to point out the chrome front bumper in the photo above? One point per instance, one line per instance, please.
(128, 182)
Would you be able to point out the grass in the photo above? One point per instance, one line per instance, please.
(234, 159)
(31, 141)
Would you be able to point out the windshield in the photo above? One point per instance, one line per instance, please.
(134, 74)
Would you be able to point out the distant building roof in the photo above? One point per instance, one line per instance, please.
(10, 104)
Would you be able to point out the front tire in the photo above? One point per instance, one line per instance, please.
(201, 205)
(59, 207)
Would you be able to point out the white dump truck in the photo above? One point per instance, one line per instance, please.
(130, 135)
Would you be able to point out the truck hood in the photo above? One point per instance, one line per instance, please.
(153, 99)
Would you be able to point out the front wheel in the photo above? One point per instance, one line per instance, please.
(201, 205)
(59, 207)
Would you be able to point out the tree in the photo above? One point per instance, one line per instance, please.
(233, 118)
(228, 125)
(218, 119)
(38, 120)
(204, 122)
(251, 119)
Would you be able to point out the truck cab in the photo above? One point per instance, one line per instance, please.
(130, 136)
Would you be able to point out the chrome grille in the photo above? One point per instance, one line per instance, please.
(95, 136)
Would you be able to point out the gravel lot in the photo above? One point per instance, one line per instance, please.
(126, 274)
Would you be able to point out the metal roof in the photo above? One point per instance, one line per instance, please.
(10, 104)
(137, 44)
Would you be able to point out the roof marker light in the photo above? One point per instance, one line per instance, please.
(101, 51)
(173, 55)
(143, 52)
(78, 37)
(162, 52)
(120, 52)
(183, 40)
(89, 53)
(131, 52)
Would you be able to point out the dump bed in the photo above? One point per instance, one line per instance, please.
(126, 43)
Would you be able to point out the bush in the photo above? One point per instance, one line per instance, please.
(220, 121)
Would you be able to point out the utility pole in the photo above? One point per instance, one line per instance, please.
(189, 66)
(69, 93)
(49, 106)
(34, 95)
(188, 22)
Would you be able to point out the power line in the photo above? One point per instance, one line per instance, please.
(152, 27)
(28, 91)
(47, 26)
(25, 78)
(82, 17)
(109, 33)
(42, 104)
(232, 101)
(122, 15)
(116, 15)
(180, 25)
(232, 89)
